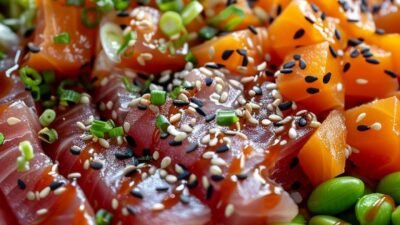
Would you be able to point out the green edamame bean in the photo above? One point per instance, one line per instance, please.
(300, 219)
(396, 216)
(390, 185)
(374, 209)
(335, 195)
(327, 220)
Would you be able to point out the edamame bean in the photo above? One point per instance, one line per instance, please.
(375, 209)
(299, 219)
(327, 220)
(390, 185)
(396, 216)
(335, 195)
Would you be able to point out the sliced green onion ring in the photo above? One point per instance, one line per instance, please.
(70, 96)
(191, 11)
(22, 164)
(103, 217)
(226, 118)
(1, 138)
(208, 32)
(225, 14)
(62, 38)
(158, 97)
(116, 132)
(162, 123)
(26, 149)
(171, 23)
(111, 38)
(47, 117)
(48, 135)
(170, 5)
(30, 76)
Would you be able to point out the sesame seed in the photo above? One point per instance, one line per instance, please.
(296, 57)
(286, 71)
(360, 117)
(171, 179)
(158, 207)
(346, 67)
(114, 203)
(96, 165)
(226, 54)
(74, 175)
(355, 53)
(21, 184)
(266, 122)
(41, 212)
(361, 81)
(127, 127)
(302, 64)
(13, 120)
(274, 117)
(45, 192)
(391, 73)
(289, 65)
(354, 42)
(333, 52)
(310, 79)
(379, 31)
(104, 143)
(327, 78)
(252, 29)
(136, 193)
(337, 34)
(312, 90)
(59, 190)
(215, 170)
(292, 133)
(299, 33)
(165, 162)
(218, 161)
(363, 128)
(55, 185)
(33, 48)
(376, 126)
(30, 196)
(309, 19)
(229, 210)
(372, 61)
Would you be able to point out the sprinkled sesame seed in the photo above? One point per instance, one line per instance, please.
(252, 29)
(302, 64)
(376, 126)
(114, 203)
(229, 210)
(327, 78)
(165, 162)
(355, 53)
(310, 78)
(226, 54)
(360, 117)
(59, 190)
(45, 192)
(372, 61)
(309, 19)
(171, 179)
(218, 161)
(391, 73)
(337, 34)
(312, 90)
(292, 133)
(286, 71)
(299, 33)
(363, 128)
(346, 67)
(136, 193)
(361, 81)
(215, 170)
(289, 65)
(158, 207)
(41, 212)
(74, 175)
(333, 52)
(96, 165)
(13, 120)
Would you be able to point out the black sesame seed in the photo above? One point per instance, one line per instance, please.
(209, 192)
(351, 20)
(363, 128)
(185, 199)
(193, 184)
(242, 52)
(257, 90)
(309, 19)
(132, 172)
(21, 184)
(162, 188)
(200, 111)
(55, 185)
(314, 7)
(299, 33)
(312, 90)
(210, 117)
(372, 61)
(327, 78)
(286, 71)
(217, 178)
(29, 32)
(131, 210)
(241, 176)
(245, 61)
(365, 50)
(122, 155)
(33, 48)
(355, 53)
(222, 149)
(131, 141)
(136, 193)
(289, 65)
(337, 34)
(294, 163)
(197, 101)
(391, 73)
(379, 31)
(208, 81)
(376, 8)
(296, 57)
(346, 67)
(96, 165)
(302, 64)
(212, 66)
(141, 107)
(333, 51)
(123, 14)
(252, 29)
(367, 54)
(180, 103)
(285, 105)
(226, 54)
(175, 143)
(302, 122)
(184, 175)
(192, 147)
(278, 10)
(310, 79)
(75, 151)
(354, 42)
(323, 15)
(295, 186)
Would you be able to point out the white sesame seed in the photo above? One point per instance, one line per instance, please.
(114, 203)
(218, 88)
(175, 118)
(229, 210)
(208, 155)
(180, 136)
(266, 122)
(271, 86)
(360, 117)
(165, 162)
(213, 142)
(156, 155)
(134, 102)
(59, 190)
(236, 84)
(179, 169)
(192, 178)
(124, 211)
(152, 170)
(158, 207)
(224, 97)
(85, 99)
(296, 196)
(30, 195)
(163, 173)
(104, 81)
(211, 52)
(109, 105)
(171, 179)
(81, 125)
(74, 175)
(144, 175)
(86, 137)
(292, 133)
(339, 87)
(314, 124)
(13, 120)
(361, 81)
(206, 139)
(274, 117)
(127, 127)
(45, 192)
(104, 143)
(186, 128)
(41, 212)
(86, 164)
(283, 142)
(205, 182)
(376, 126)
(218, 161)
(262, 66)
(215, 170)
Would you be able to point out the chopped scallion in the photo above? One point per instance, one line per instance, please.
(62, 38)
(158, 97)
(116, 132)
(226, 118)
(1, 138)
(26, 149)
(171, 24)
(70, 96)
(207, 33)
(191, 11)
(30, 76)
(121, 4)
(176, 92)
(129, 86)
(48, 135)
(233, 13)
(103, 217)
(129, 40)
(191, 58)
(22, 164)
(162, 123)
(170, 5)
(47, 117)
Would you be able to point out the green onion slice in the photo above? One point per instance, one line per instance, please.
(30, 76)
(162, 123)
(226, 117)
(171, 24)
(47, 117)
(227, 13)
(48, 135)
(70, 96)
(1, 138)
(191, 11)
(208, 32)
(170, 5)
(116, 132)
(158, 97)
(129, 40)
(22, 164)
(103, 217)
(26, 149)
(62, 38)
